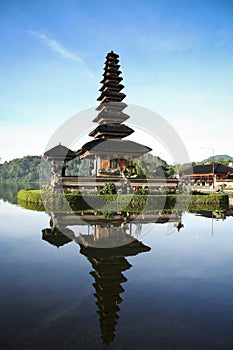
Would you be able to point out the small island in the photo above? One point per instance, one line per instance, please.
(113, 177)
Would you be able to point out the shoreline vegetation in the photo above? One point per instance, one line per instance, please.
(44, 199)
(30, 168)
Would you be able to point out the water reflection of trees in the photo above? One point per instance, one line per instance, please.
(9, 190)
(216, 214)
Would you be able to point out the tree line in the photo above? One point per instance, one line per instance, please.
(28, 168)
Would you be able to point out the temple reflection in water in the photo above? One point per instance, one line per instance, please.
(106, 244)
(108, 265)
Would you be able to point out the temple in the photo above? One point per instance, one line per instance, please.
(208, 174)
(109, 156)
(59, 156)
(108, 152)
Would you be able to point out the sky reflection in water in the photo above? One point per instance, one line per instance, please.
(177, 295)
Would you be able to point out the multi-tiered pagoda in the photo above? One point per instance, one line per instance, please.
(108, 152)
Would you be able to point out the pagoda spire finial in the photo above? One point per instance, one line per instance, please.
(111, 128)
(111, 89)
(111, 97)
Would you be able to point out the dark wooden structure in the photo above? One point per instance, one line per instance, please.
(206, 174)
(108, 153)
(109, 156)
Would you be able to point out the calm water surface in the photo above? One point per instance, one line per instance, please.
(176, 292)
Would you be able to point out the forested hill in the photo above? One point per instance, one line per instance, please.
(220, 158)
(27, 169)
(24, 169)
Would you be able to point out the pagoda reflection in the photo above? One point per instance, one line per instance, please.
(108, 266)
(56, 237)
(106, 243)
(106, 246)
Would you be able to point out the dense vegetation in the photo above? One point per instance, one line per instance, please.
(24, 169)
(27, 169)
(220, 158)
(143, 167)
(125, 202)
(9, 191)
(21, 169)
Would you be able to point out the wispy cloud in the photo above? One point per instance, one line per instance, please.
(58, 48)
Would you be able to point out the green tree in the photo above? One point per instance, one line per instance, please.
(24, 169)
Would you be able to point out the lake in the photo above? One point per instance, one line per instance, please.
(170, 286)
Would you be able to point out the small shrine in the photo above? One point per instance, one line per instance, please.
(59, 156)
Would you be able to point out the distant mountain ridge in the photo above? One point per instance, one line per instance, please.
(225, 157)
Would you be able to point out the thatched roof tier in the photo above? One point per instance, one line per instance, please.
(111, 60)
(111, 106)
(115, 148)
(111, 95)
(112, 55)
(112, 85)
(111, 130)
(111, 67)
(110, 117)
(55, 237)
(60, 152)
(111, 64)
(132, 248)
(114, 78)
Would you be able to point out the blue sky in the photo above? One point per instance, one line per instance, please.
(176, 58)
